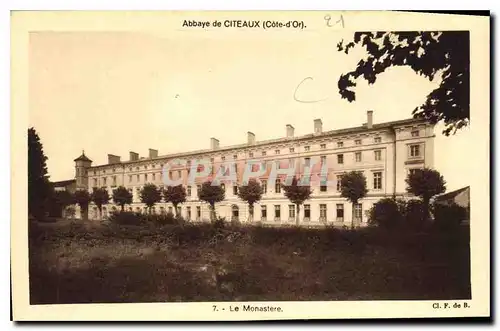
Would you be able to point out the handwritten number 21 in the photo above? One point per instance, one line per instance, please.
(328, 18)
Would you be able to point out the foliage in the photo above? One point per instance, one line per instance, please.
(353, 186)
(82, 198)
(297, 193)
(100, 197)
(58, 201)
(387, 213)
(70, 212)
(175, 195)
(39, 188)
(429, 54)
(449, 216)
(416, 214)
(251, 193)
(150, 195)
(425, 183)
(127, 218)
(122, 197)
(211, 194)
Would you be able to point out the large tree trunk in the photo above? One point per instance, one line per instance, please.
(297, 217)
(353, 214)
(213, 216)
(123, 206)
(426, 202)
(99, 217)
(250, 209)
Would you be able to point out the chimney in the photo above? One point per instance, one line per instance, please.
(318, 126)
(214, 143)
(113, 159)
(134, 156)
(369, 119)
(251, 138)
(289, 131)
(153, 153)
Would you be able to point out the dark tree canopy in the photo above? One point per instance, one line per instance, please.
(251, 193)
(175, 195)
(122, 196)
(297, 193)
(39, 188)
(425, 183)
(150, 194)
(353, 186)
(211, 193)
(100, 196)
(428, 54)
(82, 198)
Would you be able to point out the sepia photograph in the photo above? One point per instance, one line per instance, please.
(246, 161)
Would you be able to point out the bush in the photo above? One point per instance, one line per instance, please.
(415, 214)
(448, 216)
(127, 218)
(219, 223)
(165, 219)
(387, 213)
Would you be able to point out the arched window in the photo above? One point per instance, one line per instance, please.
(235, 212)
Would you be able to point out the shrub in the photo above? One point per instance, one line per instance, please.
(165, 219)
(415, 214)
(448, 216)
(387, 213)
(219, 223)
(127, 218)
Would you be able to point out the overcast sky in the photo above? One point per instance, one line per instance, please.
(122, 91)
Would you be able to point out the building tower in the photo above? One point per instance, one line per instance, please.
(82, 163)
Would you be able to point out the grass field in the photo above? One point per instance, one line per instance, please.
(81, 263)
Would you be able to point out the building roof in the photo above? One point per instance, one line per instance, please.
(337, 132)
(64, 183)
(82, 158)
(451, 195)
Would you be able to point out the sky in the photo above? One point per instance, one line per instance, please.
(115, 92)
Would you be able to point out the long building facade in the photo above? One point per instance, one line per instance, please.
(384, 152)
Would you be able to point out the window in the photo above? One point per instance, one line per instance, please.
(95, 182)
(179, 174)
(377, 180)
(358, 211)
(188, 164)
(145, 177)
(188, 212)
(154, 176)
(358, 156)
(307, 162)
(264, 153)
(114, 180)
(340, 144)
(277, 212)
(307, 148)
(323, 188)
(323, 159)
(277, 152)
(277, 186)
(339, 183)
(415, 133)
(357, 141)
(223, 158)
(322, 146)
(414, 150)
(169, 210)
(340, 212)
(307, 212)
(322, 212)
(291, 212)
(340, 158)
(189, 191)
(250, 154)
(104, 181)
(378, 155)
(278, 165)
(198, 212)
(263, 213)
(291, 163)
(264, 187)
(162, 210)
(235, 156)
(412, 171)
(145, 167)
(198, 189)
(235, 190)
(377, 140)
(292, 150)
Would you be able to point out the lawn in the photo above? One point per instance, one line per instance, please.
(83, 263)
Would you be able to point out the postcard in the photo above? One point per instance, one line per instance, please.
(249, 165)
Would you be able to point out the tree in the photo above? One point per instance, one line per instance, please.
(100, 197)
(82, 198)
(175, 195)
(122, 197)
(429, 54)
(211, 194)
(39, 188)
(251, 193)
(59, 201)
(353, 188)
(150, 194)
(425, 183)
(297, 193)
